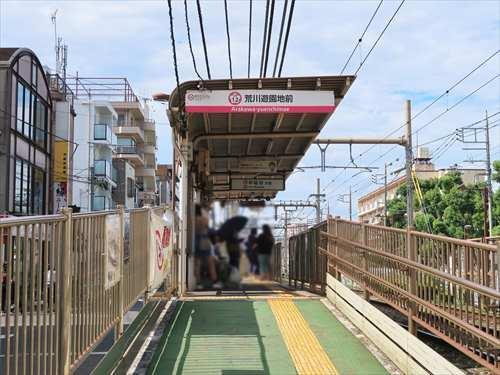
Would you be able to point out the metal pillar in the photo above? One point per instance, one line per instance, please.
(185, 220)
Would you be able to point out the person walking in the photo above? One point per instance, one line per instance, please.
(265, 243)
(252, 255)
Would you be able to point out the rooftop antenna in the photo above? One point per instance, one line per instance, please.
(60, 48)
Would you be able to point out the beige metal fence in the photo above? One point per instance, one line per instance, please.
(445, 285)
(59, 296)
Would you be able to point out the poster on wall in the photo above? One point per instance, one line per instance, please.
(112, 251)
(161, 248)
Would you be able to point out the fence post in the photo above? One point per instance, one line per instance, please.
(65, 294)
(336, 248)
(148, 253)
(412, 280)
(119, 323)
(364, 238)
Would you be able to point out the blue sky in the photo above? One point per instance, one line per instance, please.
(429, 46)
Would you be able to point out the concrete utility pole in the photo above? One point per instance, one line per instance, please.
(488, 172)
(318, 197)
(385, 194)
(409, 163)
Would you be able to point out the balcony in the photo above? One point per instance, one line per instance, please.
(130, 153)
(145, 172)
(149, 125)
(129, 130)
(149, 148)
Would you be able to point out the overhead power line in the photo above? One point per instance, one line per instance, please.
(426, 108)
(379, 37)
(283, 16)
(189, 40)
(360, 39)
(174, 53)
(200, 18)
(228, 41)
(249, 38)
(264, 39)
(289, 24)
(269, 33)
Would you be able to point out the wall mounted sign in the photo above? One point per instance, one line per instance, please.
(260, 101)
(253, 184)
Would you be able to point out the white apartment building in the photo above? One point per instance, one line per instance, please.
(127, 157)
(93, 178)
(371, 206)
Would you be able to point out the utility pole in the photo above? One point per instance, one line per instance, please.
(385, 194)
(488, 171)
(409, 162)
(318, 197)
(473, 135)
(347, 198)
(318, 201)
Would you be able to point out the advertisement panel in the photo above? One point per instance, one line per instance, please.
(112, 240)
(160, 248)
(260, 101)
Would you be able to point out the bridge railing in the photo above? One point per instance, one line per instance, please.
(67, 280)
(445, 285)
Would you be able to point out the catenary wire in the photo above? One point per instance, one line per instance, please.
(287, 33)
(269, 34)
(228, 41)
(285, 6)
(189, 40)
(379, 37)
(249, 37)
(360, 39)
(200, 18)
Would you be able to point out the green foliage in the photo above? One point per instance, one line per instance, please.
(449, 207)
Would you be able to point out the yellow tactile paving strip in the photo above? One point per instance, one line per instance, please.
(307, 354)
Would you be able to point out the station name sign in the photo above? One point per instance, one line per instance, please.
(260, 101)
(257, 184)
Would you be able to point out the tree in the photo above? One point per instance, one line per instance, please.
(447, 207)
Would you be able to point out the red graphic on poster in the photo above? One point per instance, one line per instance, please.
(162, 242)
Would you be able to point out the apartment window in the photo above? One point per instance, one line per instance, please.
(40, 124)
(121, 119)
(34, 74)
(20, 107)
(100, 132)
(130, 187)
(29, 189)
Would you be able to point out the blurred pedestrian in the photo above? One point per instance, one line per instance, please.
(265, 243)
(251, 251)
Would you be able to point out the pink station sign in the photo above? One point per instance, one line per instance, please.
(260, 101)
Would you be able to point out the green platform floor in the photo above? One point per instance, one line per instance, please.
(242, 337)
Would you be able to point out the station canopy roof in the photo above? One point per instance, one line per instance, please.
(248, 135)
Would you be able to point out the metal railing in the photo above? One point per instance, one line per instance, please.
(67, 280)
(448, 286)
(306, 263)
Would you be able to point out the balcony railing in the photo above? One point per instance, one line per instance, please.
(126, 149)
